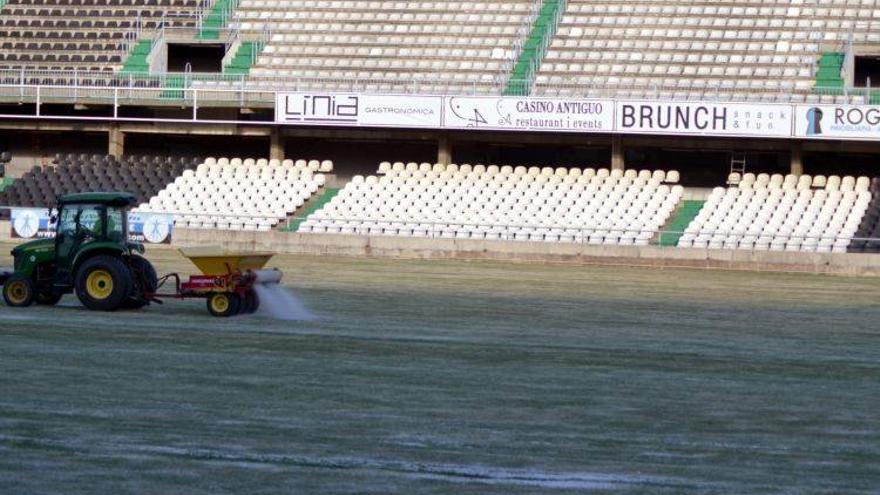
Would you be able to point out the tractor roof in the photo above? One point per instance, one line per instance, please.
(102, 198)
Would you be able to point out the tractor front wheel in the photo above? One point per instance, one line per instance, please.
(18, 291)
(224, 304)
(103, 283)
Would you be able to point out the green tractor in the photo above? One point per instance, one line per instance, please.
(90, 255)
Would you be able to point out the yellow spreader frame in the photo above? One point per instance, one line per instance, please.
(216, 261)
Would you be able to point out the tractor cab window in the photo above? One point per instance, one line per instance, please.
(80, 220)
(115, 224)
(69, 222)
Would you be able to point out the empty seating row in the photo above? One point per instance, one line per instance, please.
(68, 23)
(464, 46)
(139, 175)
(779, 218)
(721, 50)
(478, 202)
(867, 238)
(236, 194)
(800, 182)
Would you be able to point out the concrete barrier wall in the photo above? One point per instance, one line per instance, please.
(534, 252)
(538, 252)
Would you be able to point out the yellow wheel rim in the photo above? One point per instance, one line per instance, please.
(17, 292)
(220, 303)
(99, 284)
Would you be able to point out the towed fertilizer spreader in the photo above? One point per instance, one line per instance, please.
(228, 281)
(90, 254)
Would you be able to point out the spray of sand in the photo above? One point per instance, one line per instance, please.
(281, 304)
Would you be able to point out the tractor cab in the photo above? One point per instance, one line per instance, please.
(90, 255)
(89, 221)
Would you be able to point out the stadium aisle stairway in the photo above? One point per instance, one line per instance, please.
(791, 213)
(686, 213)
(143, 176)
(479, 202)
(523, 75)
(236, 194)
(316, 204)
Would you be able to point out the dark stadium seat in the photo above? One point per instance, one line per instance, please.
(84, 172)
(88, 35)
(869, 228)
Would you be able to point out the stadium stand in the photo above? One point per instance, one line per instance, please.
(867, 239)
(143, 176)
(777, 50)
(681, 49)
(236, 194)
(440, 45)
(779, 213)
(82, 35)
(479, 202)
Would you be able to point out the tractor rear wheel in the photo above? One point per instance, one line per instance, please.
(144, 281)
(103, 283)
(224, 304)
(18, 291)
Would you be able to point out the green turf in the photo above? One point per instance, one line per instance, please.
(325, 198)
(455, 378)
(688, 211)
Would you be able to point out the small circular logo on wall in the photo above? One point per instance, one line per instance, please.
(155, 229)
(26, 224)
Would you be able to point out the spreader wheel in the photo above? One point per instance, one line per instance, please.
(251, 302)
(224, 304)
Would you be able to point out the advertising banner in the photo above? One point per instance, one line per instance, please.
(151, 228)
(528, 114)
(704, 118)
(28, 223)
(324, 109)
(36, 223)
(837, 121)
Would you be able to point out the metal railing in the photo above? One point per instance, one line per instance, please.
(522, 34)
(79, 83)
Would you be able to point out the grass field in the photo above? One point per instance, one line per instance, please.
(458, 378)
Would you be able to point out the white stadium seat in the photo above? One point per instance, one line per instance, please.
(239, 194)
(501, 203)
